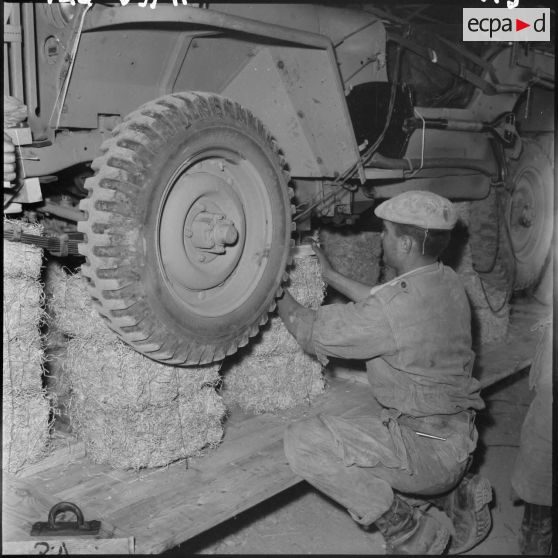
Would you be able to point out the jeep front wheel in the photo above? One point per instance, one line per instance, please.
(188, 228)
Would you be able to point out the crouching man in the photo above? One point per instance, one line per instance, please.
(414, 442)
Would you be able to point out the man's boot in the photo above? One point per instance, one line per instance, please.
(467, 507)
(409, 531)
(535, 535)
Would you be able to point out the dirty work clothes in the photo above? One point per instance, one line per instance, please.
(415, 334)
(358, 458)
(532, 474)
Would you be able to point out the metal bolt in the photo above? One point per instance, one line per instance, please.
(527, 216)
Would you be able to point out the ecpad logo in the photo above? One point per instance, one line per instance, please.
(501, 24)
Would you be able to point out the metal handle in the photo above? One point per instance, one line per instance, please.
(64, 507)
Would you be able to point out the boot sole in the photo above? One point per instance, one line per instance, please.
(483, 519)
(441, 542)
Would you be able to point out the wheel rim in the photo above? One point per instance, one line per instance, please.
(214, 232)
(526, 214)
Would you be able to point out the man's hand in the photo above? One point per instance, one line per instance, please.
(354, 290)
(324, 263)
(9, 159)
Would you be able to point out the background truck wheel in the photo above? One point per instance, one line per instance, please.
(530, 212)
(188, 229)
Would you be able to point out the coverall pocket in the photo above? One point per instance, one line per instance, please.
(366, 442)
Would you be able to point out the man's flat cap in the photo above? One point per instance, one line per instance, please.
(419, 208)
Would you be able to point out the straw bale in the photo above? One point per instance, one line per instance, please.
(153, 436)
(25, 428)
(22, 314)
(307, 287)
(130, 411)
(23, 305)
(273, 339)
(69, 305)
(488, 325)
(133, 412)
(22, 366)
(22, 260)
(120, 378)
(354, 254)
(305, 281)
(268, 384)
(25, 408)
(273, 372)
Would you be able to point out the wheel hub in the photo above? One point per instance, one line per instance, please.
(522, 217)
(208, 232)
(203, 230)
(523, 214)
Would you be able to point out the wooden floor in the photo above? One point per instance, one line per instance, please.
(497, 361)
(161, 508)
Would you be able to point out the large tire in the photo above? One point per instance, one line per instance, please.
(530, 212)
(173, 172)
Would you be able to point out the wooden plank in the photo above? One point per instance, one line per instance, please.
(496, 361)
(70, 546)
(182, 514)
(23, 503)
(79, 472)
(65, 454)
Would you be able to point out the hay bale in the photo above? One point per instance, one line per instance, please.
(161, 415)
(273, 372)
(120, 378)
(22, 260)
(305, 280)
(130, 411)
(267, 384)
(25, 428)
(25, 408)
(490, 311)
(23, 305)
(69, 305)
(354, 254)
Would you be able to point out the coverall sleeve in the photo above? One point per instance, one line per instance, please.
(357, 330)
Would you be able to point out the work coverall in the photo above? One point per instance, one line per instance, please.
(415, 335)
(532, 474)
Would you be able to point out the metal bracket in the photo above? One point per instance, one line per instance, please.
(76, 528)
